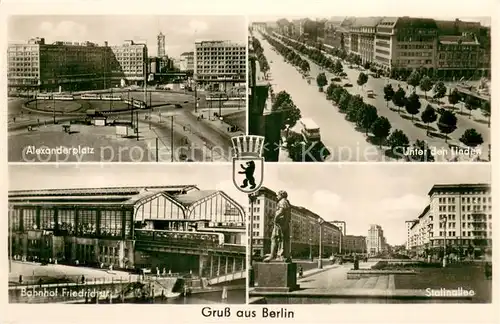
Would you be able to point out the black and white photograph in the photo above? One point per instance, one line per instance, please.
(122, 233)
(125, 88)
(372, 233)
(371, 89)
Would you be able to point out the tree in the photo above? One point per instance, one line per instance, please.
(414, 79)
(366, 66)
(486, 110)
(388, 93)
(420, 152)
(304, 66)
(362, 79)
(454, 97)
(344, 102)
(381, 129)
(412, 104)
(337, 67)
(447, 123)
(294, 146)
(399, 98)
(322, 81)
(337, 93)
(426, 85)
(355, 104)
(471, 138)
(429, 116)
(281, 98)
(439, 90)
(471, 104)
(398, 141)
(367, 115)
(329, 91)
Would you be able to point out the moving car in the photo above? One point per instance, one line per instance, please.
(336, 79)
(347, 85)
(370, 94)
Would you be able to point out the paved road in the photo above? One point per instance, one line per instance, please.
(332, 278)
(199, 133)
(338, 135)
(476, 121)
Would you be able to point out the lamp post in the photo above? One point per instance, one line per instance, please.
(310, 249)
(320, 254)
(445, 220)
(251, 280)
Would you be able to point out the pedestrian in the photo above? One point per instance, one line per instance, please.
(301, 271)
(83, 279)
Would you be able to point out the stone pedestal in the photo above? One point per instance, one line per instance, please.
(275, 276)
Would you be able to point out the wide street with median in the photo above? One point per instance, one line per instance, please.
(341, 137)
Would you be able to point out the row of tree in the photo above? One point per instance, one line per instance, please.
(259, 52)
(289, 54)
(423, 78)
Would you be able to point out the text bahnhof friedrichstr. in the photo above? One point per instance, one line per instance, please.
(265, 312)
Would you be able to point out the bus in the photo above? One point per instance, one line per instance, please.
(91, 96)
(43, 96)
(64, 97)
(310, 131)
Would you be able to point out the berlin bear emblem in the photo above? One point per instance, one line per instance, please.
(248, 163)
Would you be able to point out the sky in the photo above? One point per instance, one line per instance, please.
(486, 21)
(364, 194)
(180, 31)
(56, 176)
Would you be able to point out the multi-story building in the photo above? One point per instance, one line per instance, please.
(73, 66)
(362, 37)
(459, 214)
(409, 225)
(187, 61)
(405, 42)
(259, 26)
(131, 58)
(375, 241)
(161, 48)
(354, 244)
(305, 229)
(219, 65)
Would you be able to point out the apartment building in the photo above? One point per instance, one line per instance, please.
(362, 37)
(459, 214)
(219, 65)
(305, 227)
(71, 66)
(354, 244)
(375, 241)
(409, 225)
(160, 43)
(187, 61)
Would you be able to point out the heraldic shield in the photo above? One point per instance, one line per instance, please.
(248, 163)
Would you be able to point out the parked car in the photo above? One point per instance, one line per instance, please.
(347, 85)
(370, 94)
(336, 79)
(343, 74)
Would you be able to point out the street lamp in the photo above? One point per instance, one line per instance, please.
(310, 249)
(251, 280)
(320, 254)
(445, 220)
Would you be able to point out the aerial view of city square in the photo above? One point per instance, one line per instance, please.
(371, 88)
(125, 88)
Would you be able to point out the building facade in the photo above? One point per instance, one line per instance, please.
(70, 66)
(459, 214)
(219, 65)
(172, 227)
(187, 61)
(375, 241)
(362, 38)
(354, 244)
(409, 225)
(305, 227)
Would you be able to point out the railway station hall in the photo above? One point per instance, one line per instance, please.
(179, 228)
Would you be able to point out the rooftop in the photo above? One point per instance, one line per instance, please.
(459, 187)
(366, 22)
(458, 39)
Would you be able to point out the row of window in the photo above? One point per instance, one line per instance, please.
(415, 54)
(110, 223)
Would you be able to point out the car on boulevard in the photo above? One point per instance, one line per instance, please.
(347, 85)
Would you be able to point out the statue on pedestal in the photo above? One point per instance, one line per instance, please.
(280, 237)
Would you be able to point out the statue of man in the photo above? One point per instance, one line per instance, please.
(280, 237)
